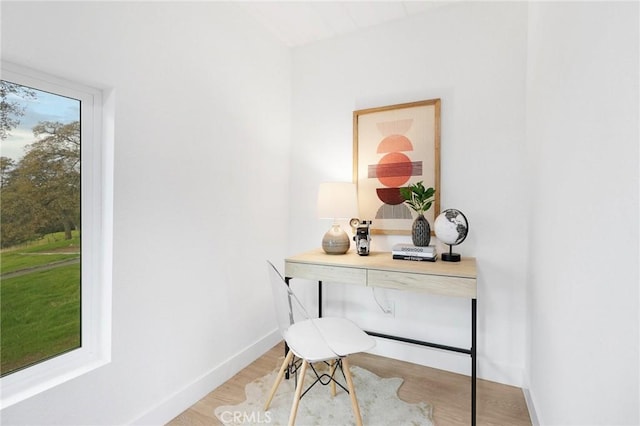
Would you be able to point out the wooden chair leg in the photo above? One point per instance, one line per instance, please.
(296, 397)
(332, 372)
(283, 368)
(352, 392)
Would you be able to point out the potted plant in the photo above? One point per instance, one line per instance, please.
(419, 199)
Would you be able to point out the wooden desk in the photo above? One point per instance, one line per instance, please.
(455, 279)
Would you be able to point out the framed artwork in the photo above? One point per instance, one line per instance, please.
(395, 146)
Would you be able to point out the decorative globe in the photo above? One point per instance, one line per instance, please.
(451, 227)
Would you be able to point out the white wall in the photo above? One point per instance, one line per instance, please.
(473, 57)
(582, 137)
(202, 103)
(203, 95)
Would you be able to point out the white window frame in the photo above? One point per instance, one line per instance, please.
(97, 239)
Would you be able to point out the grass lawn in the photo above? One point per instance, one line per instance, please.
(39, 311)
(51, 248)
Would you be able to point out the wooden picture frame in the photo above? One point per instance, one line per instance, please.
(395, 146)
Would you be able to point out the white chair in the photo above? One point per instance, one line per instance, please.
(328, 340)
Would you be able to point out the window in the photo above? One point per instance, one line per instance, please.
(56, 208)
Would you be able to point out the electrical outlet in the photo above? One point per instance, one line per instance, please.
(391, 310)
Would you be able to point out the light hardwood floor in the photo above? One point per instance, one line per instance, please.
(448, 393)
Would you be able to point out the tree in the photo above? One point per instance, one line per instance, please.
(53, 165)
(42, 193)
(12, 110)
(6, 166)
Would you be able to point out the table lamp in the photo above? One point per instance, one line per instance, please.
(337, 200)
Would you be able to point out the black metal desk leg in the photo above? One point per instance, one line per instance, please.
(319, 299)
(473, 362)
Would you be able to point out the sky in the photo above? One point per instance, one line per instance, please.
(46, 107)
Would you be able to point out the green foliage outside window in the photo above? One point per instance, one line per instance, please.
(39, 234)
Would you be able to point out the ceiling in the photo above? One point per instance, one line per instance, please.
(300, 22)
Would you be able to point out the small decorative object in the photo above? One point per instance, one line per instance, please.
(337, 200)
(451, 227)
(362, 237)
(419, 199)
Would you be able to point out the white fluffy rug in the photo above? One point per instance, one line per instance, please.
(377, 397)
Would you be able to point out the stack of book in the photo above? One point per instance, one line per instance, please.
(410, 252)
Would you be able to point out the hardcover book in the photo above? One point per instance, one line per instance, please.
(410, 248)
(415, 258)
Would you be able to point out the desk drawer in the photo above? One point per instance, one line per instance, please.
(437, 284)
(325, 273)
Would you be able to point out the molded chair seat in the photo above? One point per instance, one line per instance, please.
(340, 337)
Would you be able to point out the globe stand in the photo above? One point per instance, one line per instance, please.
(451, 257)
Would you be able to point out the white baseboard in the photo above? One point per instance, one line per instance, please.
(531, 407)
(184, 398)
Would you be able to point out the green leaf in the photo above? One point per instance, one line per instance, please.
(405, 193)
(417, 196)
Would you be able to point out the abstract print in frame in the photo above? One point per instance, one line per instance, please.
(395, 146)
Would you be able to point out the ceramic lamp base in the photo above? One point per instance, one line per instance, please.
(335, 241)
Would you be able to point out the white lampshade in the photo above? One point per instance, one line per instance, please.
(337, 200)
